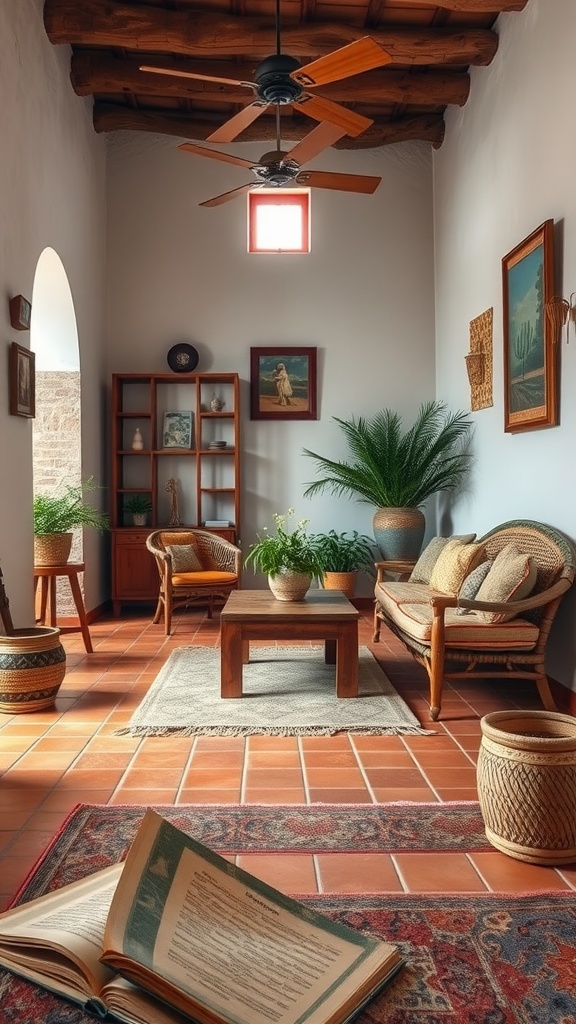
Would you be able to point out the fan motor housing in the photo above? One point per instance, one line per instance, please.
(274, 82)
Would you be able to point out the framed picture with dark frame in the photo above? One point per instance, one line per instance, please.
(22, 377)
(530, 351)
(283, 383)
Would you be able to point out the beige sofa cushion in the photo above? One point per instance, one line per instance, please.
(511, 578)
(408, 606)
(422, 571)
(454, 564)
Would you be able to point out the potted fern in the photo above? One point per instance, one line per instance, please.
(342, 555)
(138, 506)
(56, 515)
(289, 558)
(396, 470)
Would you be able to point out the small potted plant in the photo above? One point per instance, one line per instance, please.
(342, 555)
(138, 506)
(56, 515)
(289, 558)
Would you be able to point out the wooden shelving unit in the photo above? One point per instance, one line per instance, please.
(208, 477)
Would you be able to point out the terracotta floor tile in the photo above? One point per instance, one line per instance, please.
(394, 778)
(505, 874)
(334, 778)
(142, 797)
(416, 794)
(208, 796)
(454, 778)
(290, 873)
(139, 778)
(273, 758)
(274, 796)
(217, 778)
(426, 872)
(353, 873)
(448, 795)
(330, 759)
(339, 796)
(385, 759)
(270, 778)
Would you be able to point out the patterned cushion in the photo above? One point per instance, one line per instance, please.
(184, 558)
(453, 565)
(472, 584)
(511, 578)
(422, 571)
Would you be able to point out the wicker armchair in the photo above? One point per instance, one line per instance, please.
(455, 646)
(216, 574)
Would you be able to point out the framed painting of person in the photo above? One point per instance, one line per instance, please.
(22, 379)
(283, 383)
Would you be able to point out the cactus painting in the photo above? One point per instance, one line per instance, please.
(529, 345)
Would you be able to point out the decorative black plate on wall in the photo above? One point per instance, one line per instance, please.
(182, 358)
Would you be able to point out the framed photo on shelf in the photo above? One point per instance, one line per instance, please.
(177, 430)
(22, 376)
(283, 383)
(530, 350)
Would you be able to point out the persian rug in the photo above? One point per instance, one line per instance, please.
(470, 959)
(287, 691)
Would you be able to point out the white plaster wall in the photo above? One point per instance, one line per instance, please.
(508, 164)
(51, 194)
(363, 297)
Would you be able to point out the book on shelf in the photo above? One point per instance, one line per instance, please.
(218, 522)
(177, 932)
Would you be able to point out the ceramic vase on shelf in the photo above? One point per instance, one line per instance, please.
(137, 441)
(290, 586)
(216, 404)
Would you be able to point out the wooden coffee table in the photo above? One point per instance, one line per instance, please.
(257, 615)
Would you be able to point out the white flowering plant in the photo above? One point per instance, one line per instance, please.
(291, 549)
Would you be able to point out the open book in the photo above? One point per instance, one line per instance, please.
(178, 932)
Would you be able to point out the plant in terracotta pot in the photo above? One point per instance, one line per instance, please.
(56, 515)
(138, 506)
(289, 558)
(396, 470)
(342, 555)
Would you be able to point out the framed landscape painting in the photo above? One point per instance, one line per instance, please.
(530, 355)
(283, 383)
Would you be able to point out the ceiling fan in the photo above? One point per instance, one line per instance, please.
(279, 169)
(280, 79)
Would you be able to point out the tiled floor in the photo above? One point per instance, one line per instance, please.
(51, 761)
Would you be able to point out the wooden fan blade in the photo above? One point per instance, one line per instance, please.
(343, 182)
(353, 59)
(230, 129)
(215, 154)
(191, 74)
(325, 110)
(226, 196)
(315, 142)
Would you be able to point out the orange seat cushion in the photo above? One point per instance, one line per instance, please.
(206, 578)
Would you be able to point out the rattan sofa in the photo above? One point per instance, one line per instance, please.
(452, 645)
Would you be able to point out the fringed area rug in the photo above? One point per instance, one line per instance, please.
(471, 959)
(287, 691)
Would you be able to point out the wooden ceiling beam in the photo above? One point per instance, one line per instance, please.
(110, 117)
(147, 29)
(472, 6)
(95, 72)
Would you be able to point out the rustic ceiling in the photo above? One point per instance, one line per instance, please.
(432, 48)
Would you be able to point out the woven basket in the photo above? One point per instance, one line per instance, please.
(527, 785)
(290, 586)
(32, 667)
(52, 548)
(475, 368)
(344, 581)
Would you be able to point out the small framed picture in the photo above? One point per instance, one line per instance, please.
(22, 381)
(177, 430)
(283, 383)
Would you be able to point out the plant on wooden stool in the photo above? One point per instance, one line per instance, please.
(59, 514)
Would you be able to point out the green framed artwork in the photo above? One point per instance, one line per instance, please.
(530, 353)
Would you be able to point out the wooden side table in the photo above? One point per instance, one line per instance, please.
(47, 576)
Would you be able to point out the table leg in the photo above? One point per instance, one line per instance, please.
(231, 651)
(245, 652)
(347, 661)
(52, 599)
(77, 595)
(330, 652)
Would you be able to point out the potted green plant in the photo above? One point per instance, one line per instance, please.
(396, 470)
(56, 515)
(138, 506)
(342, 555)
(289, 558)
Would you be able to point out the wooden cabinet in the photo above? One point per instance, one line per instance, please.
(175, 442)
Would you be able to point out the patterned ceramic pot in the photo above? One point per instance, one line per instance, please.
(290, 586)
(399, 532)
(527, 784)
(32, 667)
